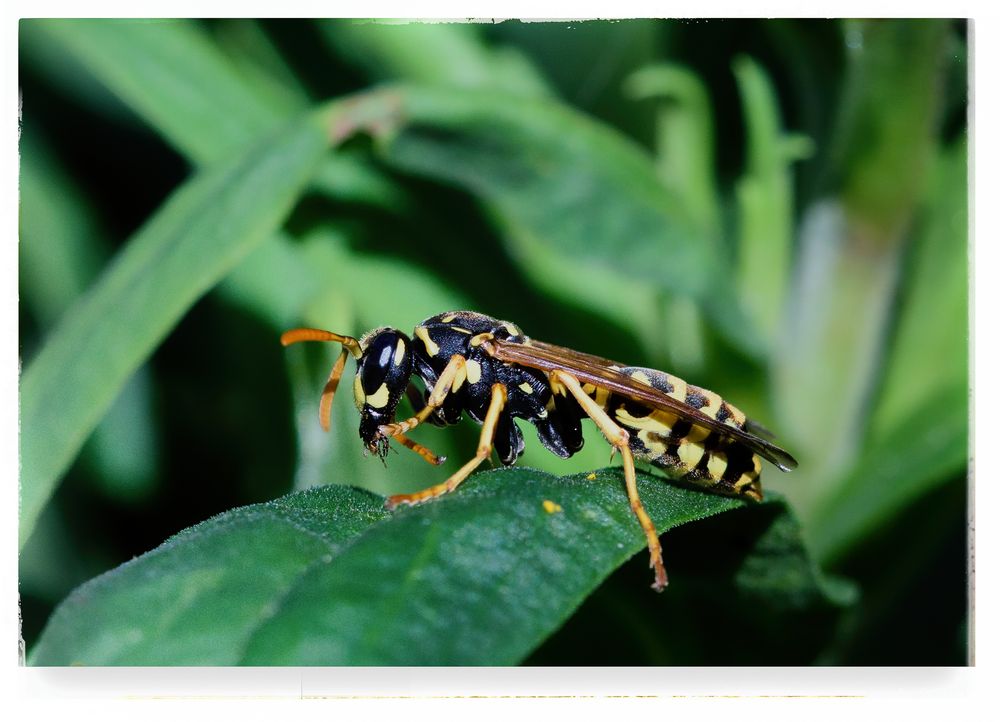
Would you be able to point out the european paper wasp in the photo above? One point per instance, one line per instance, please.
(473, 364)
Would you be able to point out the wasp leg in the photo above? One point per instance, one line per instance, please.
(618, 438)
(426, 454)
(451, 379)
(498, 398)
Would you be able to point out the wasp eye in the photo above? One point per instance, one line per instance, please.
(387, 352)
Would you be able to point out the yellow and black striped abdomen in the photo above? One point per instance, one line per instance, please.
(688, 453)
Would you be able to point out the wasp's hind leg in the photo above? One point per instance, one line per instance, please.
(498, 398)
(619, 438)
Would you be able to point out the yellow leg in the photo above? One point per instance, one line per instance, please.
(451, 379)
(426, 454)
(498, 397)
(618, 438)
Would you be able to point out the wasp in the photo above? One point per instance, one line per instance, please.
(475, 365)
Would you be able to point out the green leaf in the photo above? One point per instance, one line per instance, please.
(60, 252)
(326, 576)
(916, 458)
(766, 202)
(685, 137)
(201, 232)
(435, 53)
(918, 437)
(557, 179)
(851, 250)
(930, 349)
(207, 105)
(173, 76)
(61, 248)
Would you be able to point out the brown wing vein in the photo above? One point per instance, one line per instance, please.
(604, 372)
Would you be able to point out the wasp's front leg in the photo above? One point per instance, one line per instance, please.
(451, 379)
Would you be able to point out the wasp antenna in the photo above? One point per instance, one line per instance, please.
(326, 400)
(316, 334)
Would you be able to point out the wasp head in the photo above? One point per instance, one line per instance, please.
(383, 374)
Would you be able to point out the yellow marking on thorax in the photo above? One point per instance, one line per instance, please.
(551, 507)
(589, 389)
(479, 338)
(473, 371)
(432, 348)
(378, 399)
(461, 330)
(397, 359)
(511, 328)
(449, 318)
(526, 387)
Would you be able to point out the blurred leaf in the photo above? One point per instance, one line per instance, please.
(685, 160)
(251, 50)
(916, 458)
(204, 103)
(930, 351)
(172, 75)
(432, 53)
(202, 231)
(60, 252)
(557, 179)
(883, 149)
(765, 197)
(849, 260)
(327, 577)
(586, 63)
(685, 138)
(61, 249)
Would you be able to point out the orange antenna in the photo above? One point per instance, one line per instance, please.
(349, 343)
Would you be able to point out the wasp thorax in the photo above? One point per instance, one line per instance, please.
(384, 371)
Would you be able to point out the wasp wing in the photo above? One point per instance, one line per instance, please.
(607, 374)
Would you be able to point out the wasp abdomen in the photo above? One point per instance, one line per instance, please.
(688, 452)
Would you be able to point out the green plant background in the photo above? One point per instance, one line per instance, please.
(776, 210)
